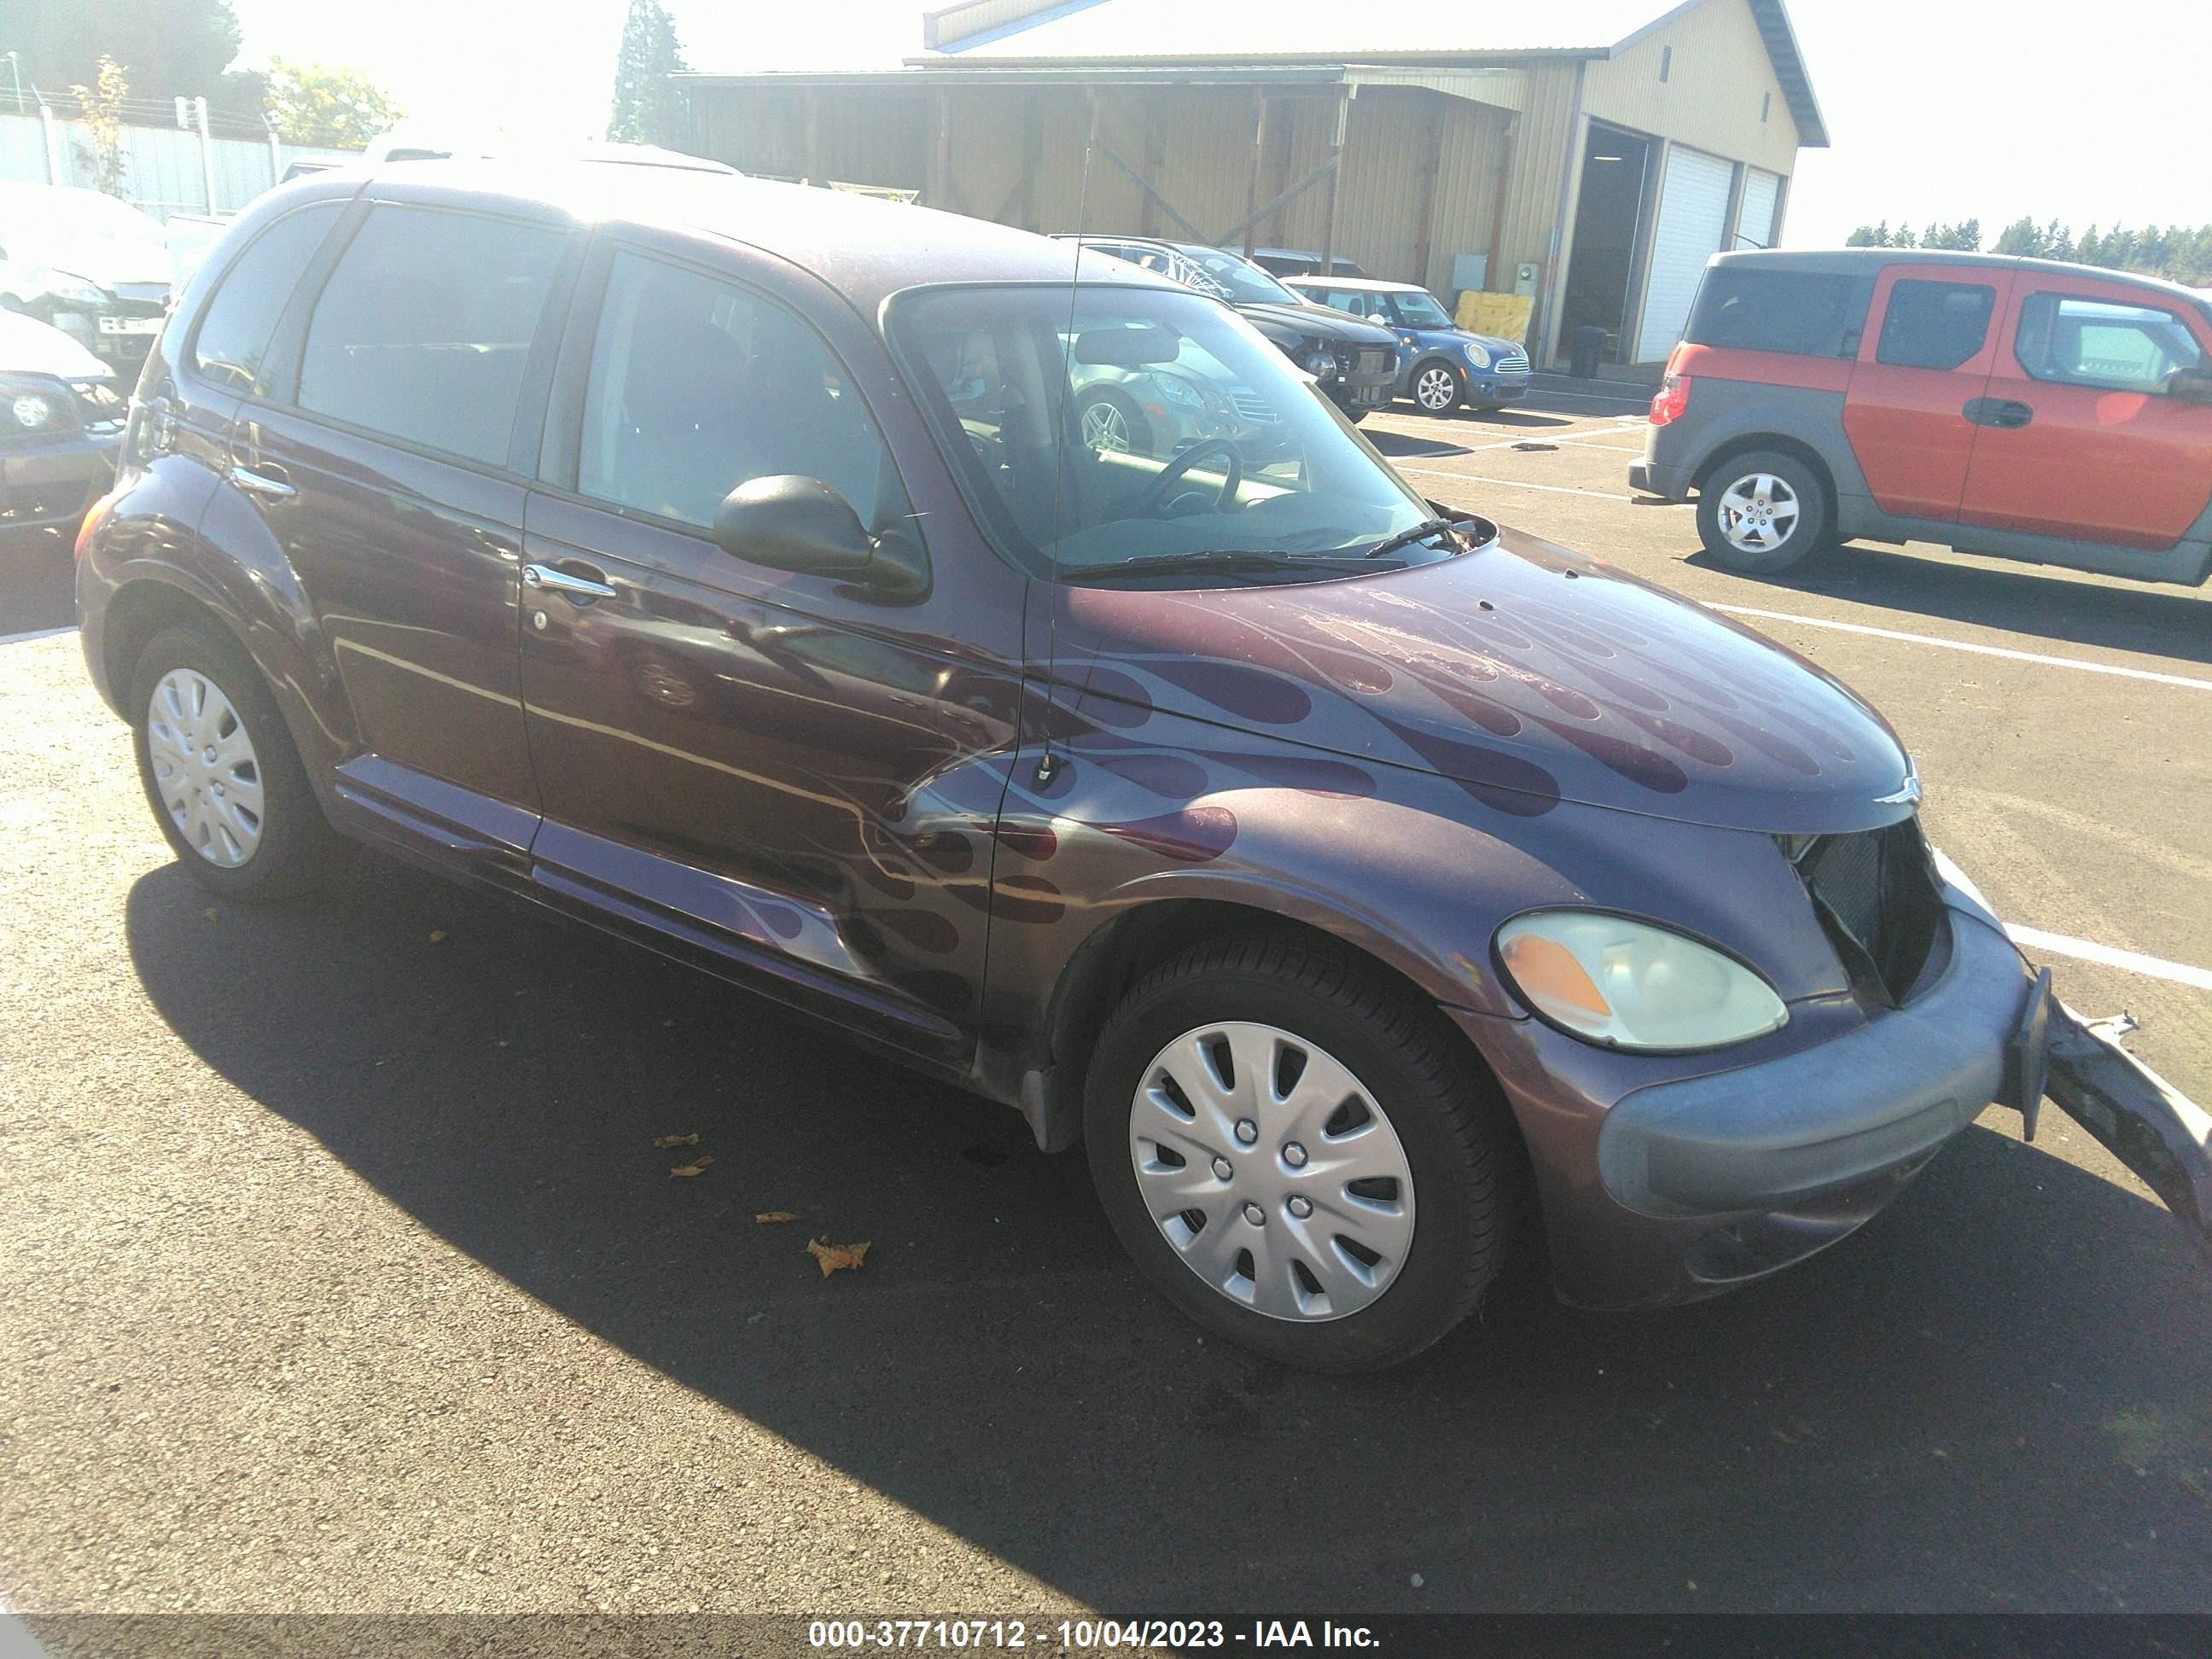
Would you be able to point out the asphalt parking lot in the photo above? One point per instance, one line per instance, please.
(339, 1272)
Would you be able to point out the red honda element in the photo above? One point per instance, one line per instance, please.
(2019, 408)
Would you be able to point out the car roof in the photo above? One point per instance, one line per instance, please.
(1354, 284)
(865, 247)
(1862, 261)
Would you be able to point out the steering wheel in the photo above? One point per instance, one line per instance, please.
(1153, 499)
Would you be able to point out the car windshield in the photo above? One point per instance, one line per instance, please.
(1106, 425)
(1246, 284)
(1420, 310)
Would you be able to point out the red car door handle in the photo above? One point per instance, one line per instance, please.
(2003, 412)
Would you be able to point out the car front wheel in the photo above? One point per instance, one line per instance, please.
(219, 770)
(1439, 387)
(1300, 1156)
(1764, 512)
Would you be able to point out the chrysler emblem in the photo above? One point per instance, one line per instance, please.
(1908, 795)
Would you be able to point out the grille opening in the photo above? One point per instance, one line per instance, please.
(1875, 894)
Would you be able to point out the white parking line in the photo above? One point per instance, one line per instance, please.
(1962, 644)
(36, 633)
(1548, 489)
(2134, 961)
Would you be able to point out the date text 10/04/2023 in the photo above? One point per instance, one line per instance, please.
(1084, 1634)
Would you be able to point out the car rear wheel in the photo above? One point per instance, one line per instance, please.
(1764, 512)
(219, 770)
(1299, 1155)
(1438, 388)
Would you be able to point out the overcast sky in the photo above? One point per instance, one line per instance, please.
(2079, 109)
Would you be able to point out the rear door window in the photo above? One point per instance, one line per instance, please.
(1935, 325)
(1802, 314)
(424, 328)
(234, 335)
(2073, 340)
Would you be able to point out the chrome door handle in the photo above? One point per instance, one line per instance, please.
(546, 578)
(261, 485)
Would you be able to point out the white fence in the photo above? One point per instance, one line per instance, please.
(165, 170)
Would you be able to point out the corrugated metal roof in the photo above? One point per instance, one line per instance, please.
(1119, 30)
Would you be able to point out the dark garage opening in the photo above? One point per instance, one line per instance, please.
(1608, 226)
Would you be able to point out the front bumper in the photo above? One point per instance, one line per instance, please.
(1679, 1189)
(1497, 388)
(49, 484)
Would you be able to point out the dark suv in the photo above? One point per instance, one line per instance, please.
(723, 564)
(1356, 362)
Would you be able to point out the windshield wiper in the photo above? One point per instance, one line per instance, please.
(1419, 532)
(1225, 563)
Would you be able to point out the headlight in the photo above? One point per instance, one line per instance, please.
(1477, 354)
(1628, 984)
(1321, 361)
(33, 408)
(1178, 392)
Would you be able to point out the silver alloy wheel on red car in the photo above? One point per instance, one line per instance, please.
(1271, 1171)
(1758, 512)
(204, 767)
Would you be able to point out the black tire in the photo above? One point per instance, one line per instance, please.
(296, 845)
(1808, 531)
(1139, 431)
(1451, 378)
(1432, 1089)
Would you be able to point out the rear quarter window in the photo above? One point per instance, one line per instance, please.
(1802, 314)
(235, 334)
(1935, 325)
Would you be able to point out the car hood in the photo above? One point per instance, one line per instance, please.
(1528, 675)
(28, 346)
(1318, 322)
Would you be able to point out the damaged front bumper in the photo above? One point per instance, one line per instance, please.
(2143, 1120)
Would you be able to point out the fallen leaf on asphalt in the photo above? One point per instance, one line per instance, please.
(208, 913)
(697, 1166)
(833, 1257)
(665, 1141)
(769, 1218)
(437, 934)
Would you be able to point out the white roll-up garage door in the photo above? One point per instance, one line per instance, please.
(1754, 222)
(1693, 203)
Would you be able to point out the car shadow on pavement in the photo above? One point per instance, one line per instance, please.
(1994, 1398)
(37, 582)
(2164, 622)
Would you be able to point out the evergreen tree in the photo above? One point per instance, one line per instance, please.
(647, 109)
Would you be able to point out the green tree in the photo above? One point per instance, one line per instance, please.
(1870, 236)
(1964, 237)
(2021, 237)
(169, 46)
(648, 109)
(102, 103)
(313, 104)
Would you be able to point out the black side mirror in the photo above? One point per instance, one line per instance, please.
(801, 524)
(2193, 387)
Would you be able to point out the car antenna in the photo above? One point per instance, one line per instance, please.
(1047, 761)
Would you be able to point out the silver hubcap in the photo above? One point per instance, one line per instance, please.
(1105, 430)
(1436, 389)
(204, 767)
(1311, 1216)
(1758, 512)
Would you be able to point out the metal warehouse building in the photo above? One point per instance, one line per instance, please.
(1587, 154)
